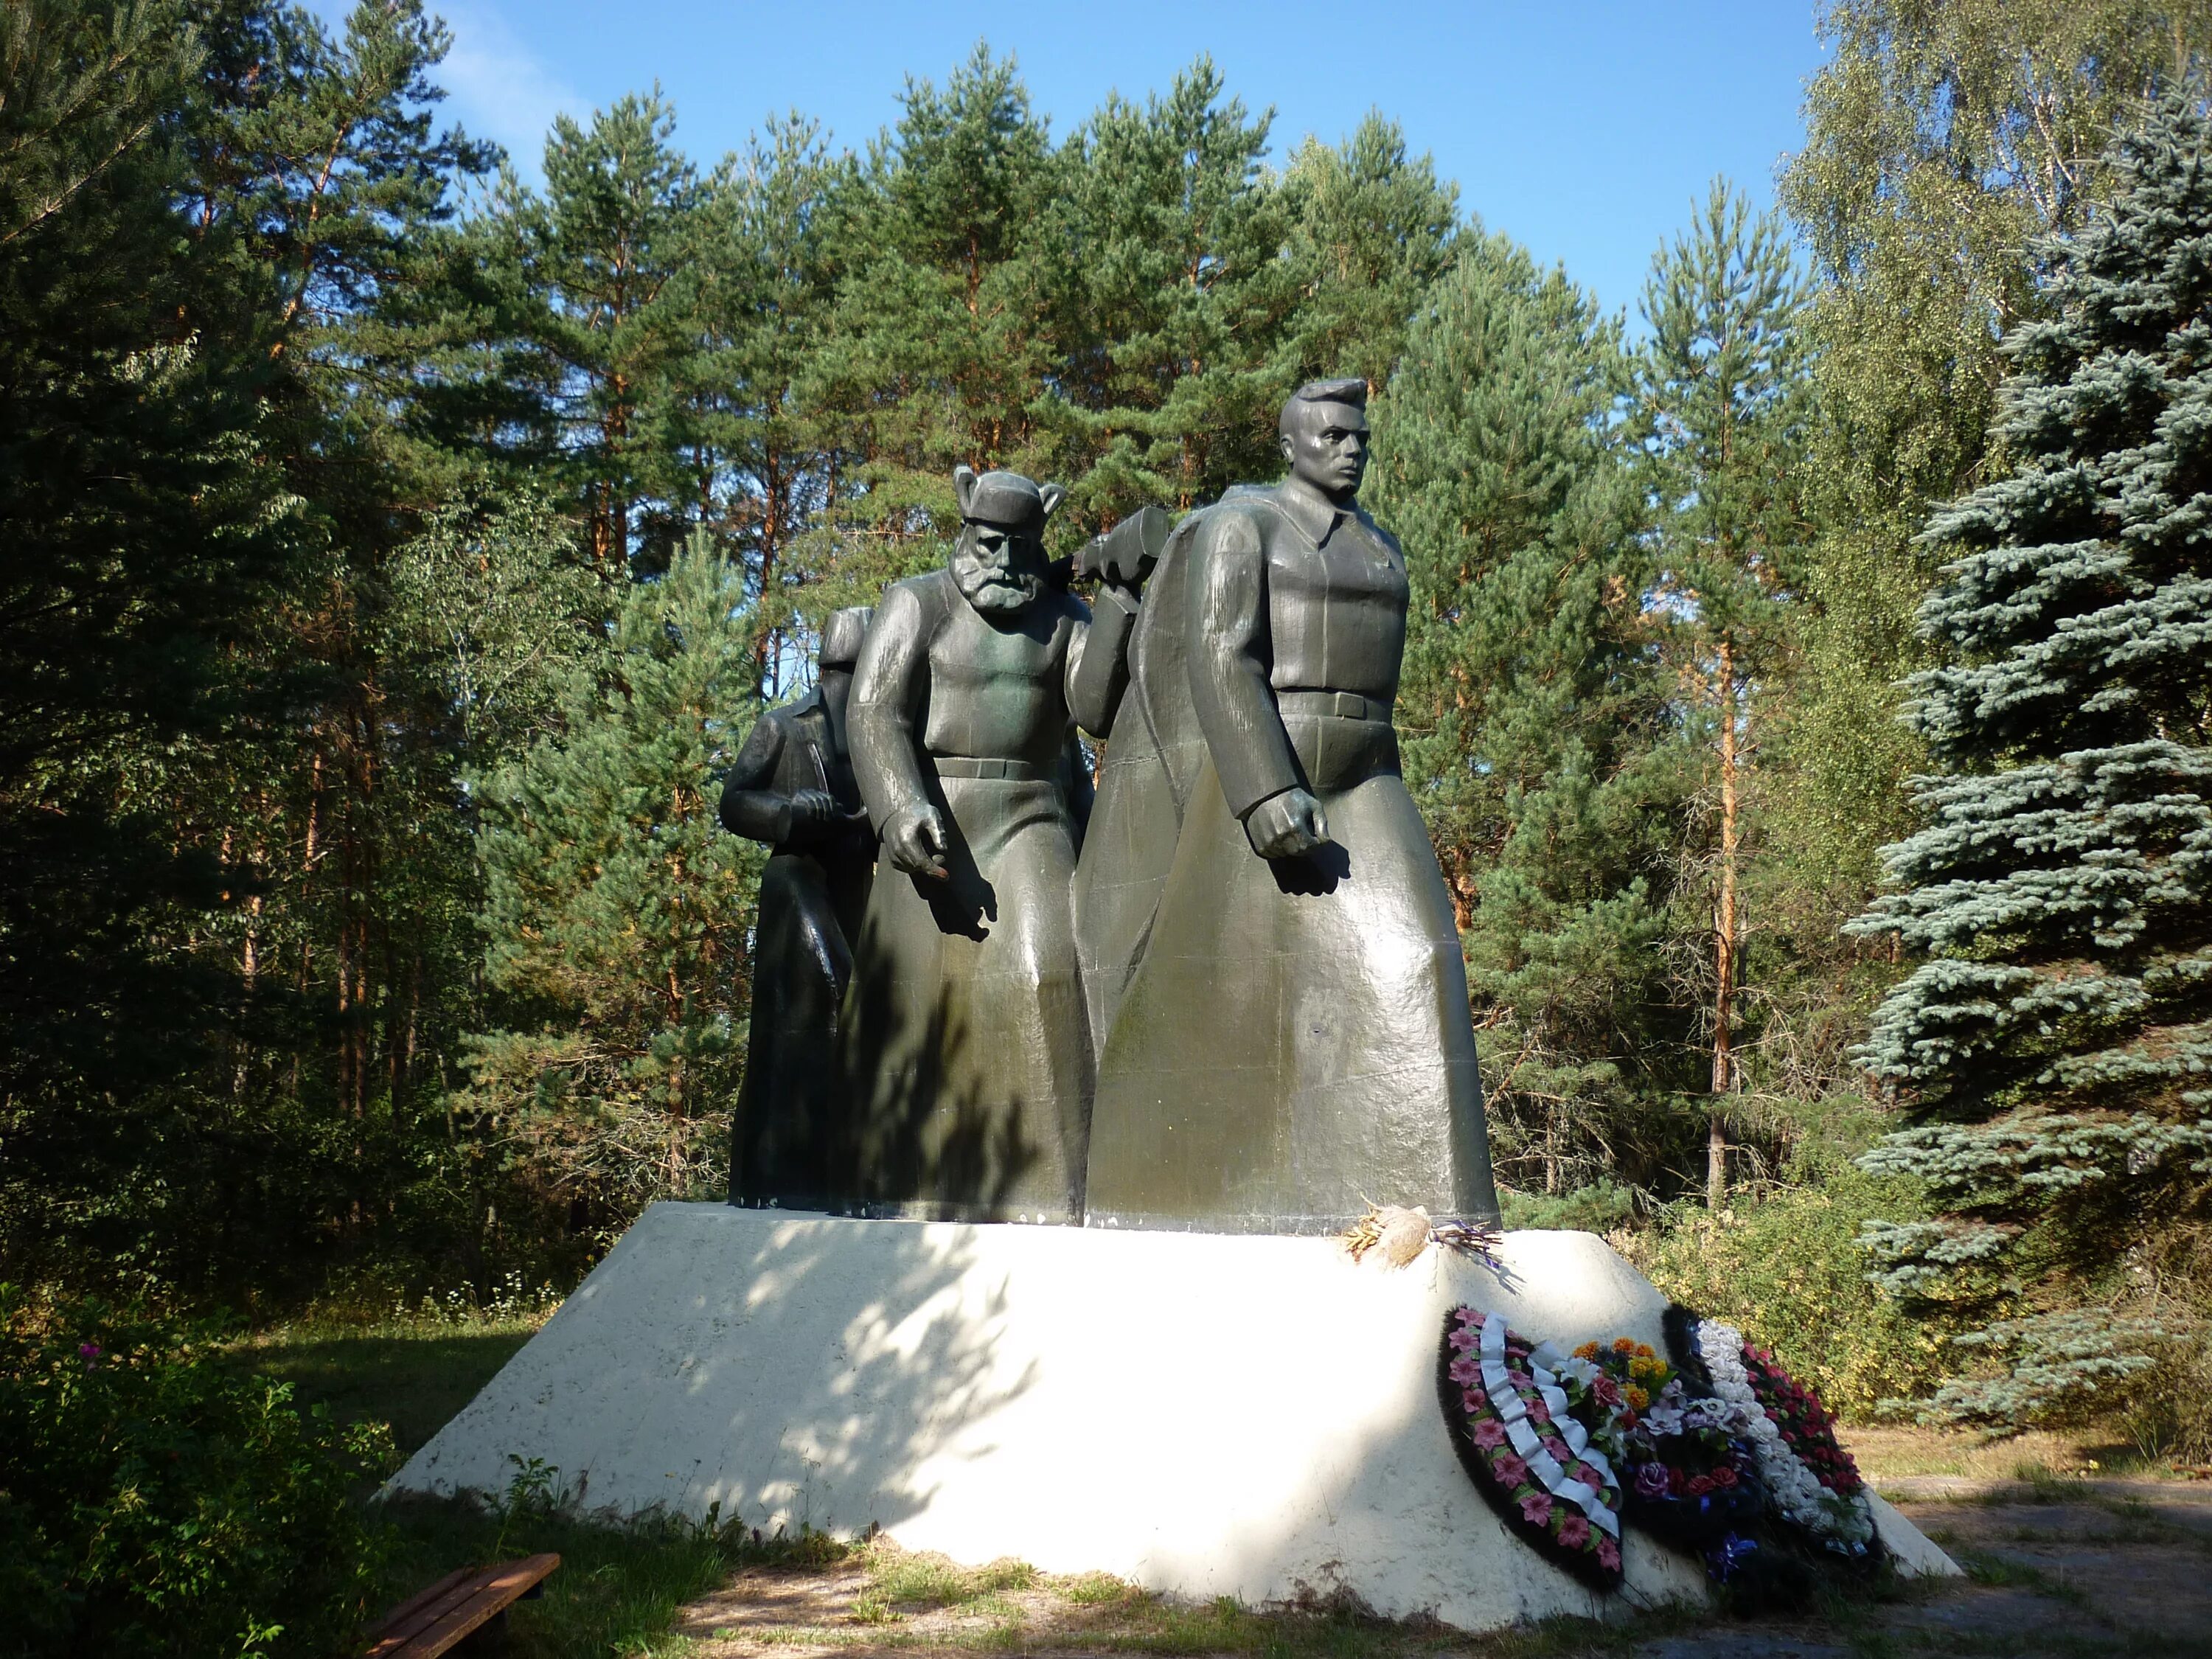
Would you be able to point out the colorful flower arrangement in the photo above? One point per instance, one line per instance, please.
(1811, 1482)
(1685, 1456)
(1802, 1421)
(1542, 1433)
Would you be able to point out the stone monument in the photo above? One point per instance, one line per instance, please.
(963, 1048)
(1272, 964)
(1274, 995)
(793, 788)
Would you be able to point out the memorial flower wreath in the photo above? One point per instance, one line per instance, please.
(1712, 1447)
(1810, 1481)
(1540, 1433)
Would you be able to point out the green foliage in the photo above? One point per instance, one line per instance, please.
(1941, 140)
(1790, 1269)
(157, 1503)
(1719, 422)
(1602, 1207)
(2053, 1044)
(1538, 740)
(618, 1587)
(146, 547)
(598, 292)
(617, 909)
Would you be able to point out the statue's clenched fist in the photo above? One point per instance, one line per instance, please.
(1286, 825)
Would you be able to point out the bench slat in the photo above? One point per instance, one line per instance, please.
(405, 1612)
(441, 1617)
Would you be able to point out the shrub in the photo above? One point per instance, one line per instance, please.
(153, 1504)
(1788, 1270)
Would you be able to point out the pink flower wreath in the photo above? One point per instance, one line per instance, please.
(1539, 1443)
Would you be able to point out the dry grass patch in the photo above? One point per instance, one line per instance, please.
(1889, 1455)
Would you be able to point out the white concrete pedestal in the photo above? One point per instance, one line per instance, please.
(1200, 1413)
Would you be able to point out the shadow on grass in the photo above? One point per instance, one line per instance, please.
(413, 1379)
(879, 1600)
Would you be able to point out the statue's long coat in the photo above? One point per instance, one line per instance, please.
(1280, 1041)
(964, 1052)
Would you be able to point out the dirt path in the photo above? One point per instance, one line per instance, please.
(2071, 1570)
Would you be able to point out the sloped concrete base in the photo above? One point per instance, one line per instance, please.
(1202, 1414)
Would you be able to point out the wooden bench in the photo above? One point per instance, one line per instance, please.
(456, 1607)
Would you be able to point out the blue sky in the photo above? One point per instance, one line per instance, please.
(1582, 130)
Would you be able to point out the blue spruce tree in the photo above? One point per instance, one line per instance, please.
(2055, 1048)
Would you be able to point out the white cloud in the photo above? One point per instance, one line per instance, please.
(497, 88)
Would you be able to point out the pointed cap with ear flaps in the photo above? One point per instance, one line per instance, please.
(1004, 499)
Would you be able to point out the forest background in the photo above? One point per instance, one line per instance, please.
(395, 551)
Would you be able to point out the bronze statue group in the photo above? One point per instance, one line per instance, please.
(1225, 995)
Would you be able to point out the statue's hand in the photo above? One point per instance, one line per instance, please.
(916, 841)
(812, 808)
(1286, 825)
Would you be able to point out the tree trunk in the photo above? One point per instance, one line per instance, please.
(1724, 939)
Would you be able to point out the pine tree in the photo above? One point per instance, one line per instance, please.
(144, 545)
(1721, 416)
(589, 292)
(2054, 1047)
(1165, 249)
(1538, 740)
(760, 467)
(1371, 229)
(941, 338)
(317, 171)
(617, 909)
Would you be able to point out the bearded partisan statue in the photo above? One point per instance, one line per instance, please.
(1270, 963)
(965, 1053)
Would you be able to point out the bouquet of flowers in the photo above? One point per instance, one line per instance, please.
(1542, 1433)
(1688, 1463)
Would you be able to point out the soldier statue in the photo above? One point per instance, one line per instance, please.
(964, 1047)
(1272, 966)
(793, 788)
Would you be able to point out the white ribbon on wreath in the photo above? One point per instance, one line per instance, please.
(1513, 1412)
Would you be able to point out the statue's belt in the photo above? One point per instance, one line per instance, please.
(1337, 705)
(1013, 771)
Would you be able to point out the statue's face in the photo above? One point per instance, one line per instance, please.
(999, 570)
(1327, 447)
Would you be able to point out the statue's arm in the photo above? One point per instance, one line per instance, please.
(889, 683)
(1098, 661)
(750, 806)
(1230, 653)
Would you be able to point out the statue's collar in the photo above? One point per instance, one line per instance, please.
(1310, 510)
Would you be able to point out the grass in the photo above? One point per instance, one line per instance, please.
(1888, 1453)
(619, 1588)
(884, 1599)
(414, 1377)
